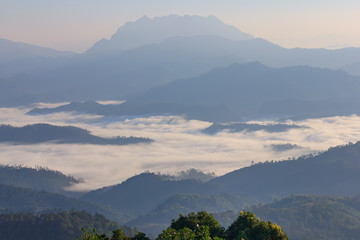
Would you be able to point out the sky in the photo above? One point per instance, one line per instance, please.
(77, 24)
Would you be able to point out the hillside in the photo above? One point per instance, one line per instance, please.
(54, 226)
(16, 199)
(37, 178)
(42, 133)
(313, 217)
(333, 172)
(141, 193)
(158, 218)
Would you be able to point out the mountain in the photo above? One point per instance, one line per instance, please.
(158, 218)
(37, 178)
(17, 51)
(201, 112)
(16, 199)
(306, 217)
(141, 193)
(42, 133)
(146, 31)
(136, 59)
(55, 226)
(253, 90)
(18, 58)
(129, 73)
(243, 91)
(334, 172)
(353, 68)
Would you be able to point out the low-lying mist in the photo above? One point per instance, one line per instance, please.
(179, 145)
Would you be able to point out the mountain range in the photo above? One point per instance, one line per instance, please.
(149, 201)
(241, 92)
(121, 68)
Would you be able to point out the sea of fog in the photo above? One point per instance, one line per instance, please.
(179, 145)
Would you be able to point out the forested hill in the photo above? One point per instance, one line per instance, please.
(16, 199)
(334, 172)
(129, 197)
(54, 226)
(40, 133)
(315, 217)
(37, 178)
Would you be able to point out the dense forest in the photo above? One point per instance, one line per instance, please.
(54, 226)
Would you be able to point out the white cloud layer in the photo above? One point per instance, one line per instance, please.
(179, 145)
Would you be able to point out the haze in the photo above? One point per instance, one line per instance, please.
(77, 25)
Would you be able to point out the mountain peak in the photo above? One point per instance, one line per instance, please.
(146, 31)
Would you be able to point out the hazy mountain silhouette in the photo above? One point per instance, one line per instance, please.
(167, 57)
(254, 90)
(16, 51)
(18, 58)
(145, 31)
(353, 68)
(243, 91)
(216, 113)
(42, 133)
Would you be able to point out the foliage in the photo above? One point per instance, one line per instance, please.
(248, 227)
(158, 218)
(201, 232)
(307, 217)
(203, 225)
(54, 226)
(194, 221)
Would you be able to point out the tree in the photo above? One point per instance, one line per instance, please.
(193, 221)
(248, 227)
(140, 236)
(118, 235)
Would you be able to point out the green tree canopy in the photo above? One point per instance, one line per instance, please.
(193, 221)
(248, 227)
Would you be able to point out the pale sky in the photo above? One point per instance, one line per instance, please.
(77, 24)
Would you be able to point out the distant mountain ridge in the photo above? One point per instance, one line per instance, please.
(17, 51)
(240, 92)
(106, 72)
(46, 133)
(146, 31)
